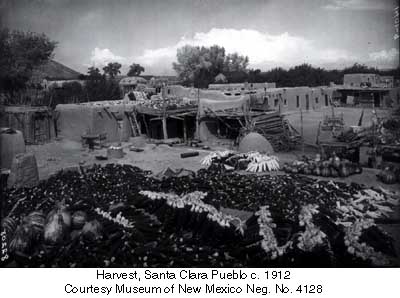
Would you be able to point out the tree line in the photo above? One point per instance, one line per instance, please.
(200, 66)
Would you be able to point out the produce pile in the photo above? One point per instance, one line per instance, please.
(332, 167)
(169, 103)
(118, 215)
(251, 161)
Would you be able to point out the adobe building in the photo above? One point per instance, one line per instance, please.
(368, 90)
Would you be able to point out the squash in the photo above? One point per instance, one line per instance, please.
(307, 170)
(92, 230)
(325, 171)
(344, 170)
(79, 219)
(62, 210)
(334, 172)
(36, 220)
(317, 171)
(55, 229)
(336, 162)
(387, 176)
(22, 240)
(9, 224)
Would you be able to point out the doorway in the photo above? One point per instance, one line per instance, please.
(307, 102)
(377, 99)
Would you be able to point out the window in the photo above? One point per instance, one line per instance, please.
(316, 100)
(169, 91)
(326, 100)
(266, 100)
(297, 101)
(276, 102)
(285, 102)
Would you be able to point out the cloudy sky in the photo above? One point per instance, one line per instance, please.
(328, 33)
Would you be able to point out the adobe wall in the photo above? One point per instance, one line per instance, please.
(76, 120)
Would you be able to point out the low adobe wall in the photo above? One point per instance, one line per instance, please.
(75, 120)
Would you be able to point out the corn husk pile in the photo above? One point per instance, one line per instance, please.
(251, 162)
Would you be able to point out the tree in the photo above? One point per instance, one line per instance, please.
(135, 70)
(112, 69)
(360, 68)
(199, 66)
(21, 53)
(93, 73)
(98, 87)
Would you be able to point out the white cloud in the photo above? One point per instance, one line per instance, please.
(360, 5)
(385, 55)
(101, 57)
(385, 58)
(263, 49)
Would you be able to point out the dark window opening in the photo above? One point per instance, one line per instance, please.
(316, 100)
(297, 101)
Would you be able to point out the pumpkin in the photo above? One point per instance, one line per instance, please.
(334, 173)
(36, 221)
(9, 224)
(317, 171)
(79, 219)
(55, 229)
(325, 171)
(344, 170)
(307, 170)
(387, 176)
(92, 230)
(336, 162)
(22, 240)
(62, 210)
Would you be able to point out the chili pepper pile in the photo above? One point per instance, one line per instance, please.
(145, 222)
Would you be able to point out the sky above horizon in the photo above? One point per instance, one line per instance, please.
(272, 33)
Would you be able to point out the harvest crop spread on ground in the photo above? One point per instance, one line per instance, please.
(122, 216)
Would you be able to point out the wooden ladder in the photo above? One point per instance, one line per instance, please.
(134, 123)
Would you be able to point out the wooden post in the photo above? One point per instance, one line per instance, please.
(164, 116)
(184, 130)
(164, 126)
(198, 115)
(302, 132)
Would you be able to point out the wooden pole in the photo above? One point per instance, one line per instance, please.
(198, 115)
(164, 126)
(164, 117)
(184, 130)
(302, 130)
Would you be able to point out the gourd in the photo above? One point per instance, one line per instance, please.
(344, 170)
(62, 210)
(387, 176)
(36, 221)
(55, 229)
(307, 170)
(336, 162)
(334, 173)
(317, 171)
(9, 224)
(22, 240)
(92, 230)
(325, 172)
(79, 219)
